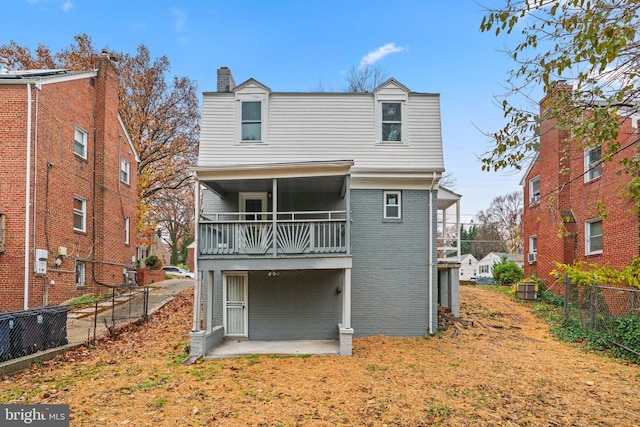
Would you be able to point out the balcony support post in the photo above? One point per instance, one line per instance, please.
(274, 215)
(347, 236)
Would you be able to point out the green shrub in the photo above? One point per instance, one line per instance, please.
(507, 272)
(153, 262)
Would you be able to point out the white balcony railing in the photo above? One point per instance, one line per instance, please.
(296, 233)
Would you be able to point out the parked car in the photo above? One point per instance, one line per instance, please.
(178, 271)
(483, 280)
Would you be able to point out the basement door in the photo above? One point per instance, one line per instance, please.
(236, 317)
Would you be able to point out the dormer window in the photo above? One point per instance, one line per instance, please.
(391, 121)
(252, 121)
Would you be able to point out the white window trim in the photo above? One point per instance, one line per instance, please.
(85, 145)
(588, 168)
(533, 199)
(125, 171)
(83, 212)
(263, 98)
(404, 139)
(384, 205)
(587, 237)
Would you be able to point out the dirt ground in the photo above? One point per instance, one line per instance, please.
(500, 369)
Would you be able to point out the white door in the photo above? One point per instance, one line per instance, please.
(235, 287)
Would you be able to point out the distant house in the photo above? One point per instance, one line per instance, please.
(154, 245)
(68, 185)
(468, 267)
(485, 265)
(318, 215)
(563, 188)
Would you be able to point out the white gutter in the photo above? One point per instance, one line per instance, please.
(433, 181)
(27, 218)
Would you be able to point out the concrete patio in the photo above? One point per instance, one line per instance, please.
(240, 348)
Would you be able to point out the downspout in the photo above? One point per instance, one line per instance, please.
(196, 252)
(433, 181)
(27, 219)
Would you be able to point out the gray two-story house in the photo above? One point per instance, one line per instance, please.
(316, 214)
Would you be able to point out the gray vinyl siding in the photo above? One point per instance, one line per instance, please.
(294, 305)
(390, 291)
(322, 127)
(288, 202)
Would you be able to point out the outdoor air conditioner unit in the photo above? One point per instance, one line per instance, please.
(533, 257)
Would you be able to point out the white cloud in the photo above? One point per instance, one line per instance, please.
(373, 57)
(67, 5)
(180, 17)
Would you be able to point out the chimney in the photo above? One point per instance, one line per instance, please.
(225, 80)
(4, 66)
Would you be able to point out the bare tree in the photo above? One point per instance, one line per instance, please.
(504, 215)
(448, 181)
(365, 79)
(173, 212)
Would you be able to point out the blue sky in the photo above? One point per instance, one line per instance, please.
(293, 45)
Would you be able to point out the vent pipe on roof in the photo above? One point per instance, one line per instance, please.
(4, 66)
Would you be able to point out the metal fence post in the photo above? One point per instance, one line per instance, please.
(95, 322)
(567, 293)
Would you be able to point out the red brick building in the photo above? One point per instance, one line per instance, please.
(68, 185)
(561, 219)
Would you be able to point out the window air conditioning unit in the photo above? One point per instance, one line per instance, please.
(533, 257)
(536, 198)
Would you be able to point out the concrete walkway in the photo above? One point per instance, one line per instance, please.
(80, 323)
(238, 348)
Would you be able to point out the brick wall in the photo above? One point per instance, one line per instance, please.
(58, 174)
(558, 220)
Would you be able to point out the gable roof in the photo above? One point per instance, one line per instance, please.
(251, 82)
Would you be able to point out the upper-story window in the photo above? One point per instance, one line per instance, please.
(125, 171)
(80, 142)
(593, 236)
(392, 205)
(79, 214)
(534, 190)
(252, 121)
(391, 121)
(592, 163)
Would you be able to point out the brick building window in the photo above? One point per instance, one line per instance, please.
(126, 230)
(534, 190)
(125, 169)
(533, 249)
(592, 163)
(80, 269)
(79, 214)
(593, 236)
(80, 142)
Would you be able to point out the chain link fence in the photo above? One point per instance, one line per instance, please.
(30, 332)
(610, 314)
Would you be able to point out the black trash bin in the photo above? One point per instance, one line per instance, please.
(55, 326)
(5, 334)
(26, 332)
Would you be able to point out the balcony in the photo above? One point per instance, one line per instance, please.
(273, 235)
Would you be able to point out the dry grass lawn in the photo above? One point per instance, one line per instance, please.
(501, 369)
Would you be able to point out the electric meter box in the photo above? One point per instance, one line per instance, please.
(40, 265)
